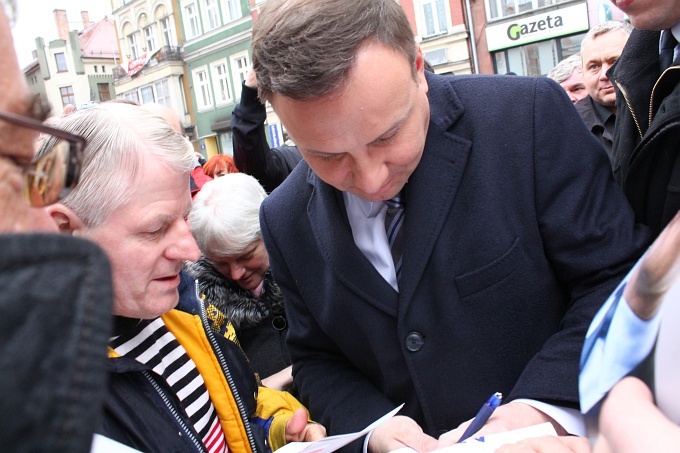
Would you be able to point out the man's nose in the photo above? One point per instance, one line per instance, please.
(369, 175)
(184, 245)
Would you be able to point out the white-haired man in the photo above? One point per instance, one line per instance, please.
(176, 381)
(569, 74)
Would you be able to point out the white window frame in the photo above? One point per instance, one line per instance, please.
(132, 43)
(192, 20)
(150, 39)
(131, 96)
(239, 63)
(513, 7)
(421, 18)
(162, 90)
(231, 10)
(202, 89)
(221, 82)
(60, 61)
(167, 30)
(145, 91)
(211, 14)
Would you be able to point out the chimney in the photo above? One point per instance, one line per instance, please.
(62, 24)
(86, 19)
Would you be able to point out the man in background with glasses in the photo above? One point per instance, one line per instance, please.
(55, 291)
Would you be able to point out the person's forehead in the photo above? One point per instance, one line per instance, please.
(574, 78)
(604, 40)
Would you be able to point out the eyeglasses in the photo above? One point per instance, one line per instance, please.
(50, 177)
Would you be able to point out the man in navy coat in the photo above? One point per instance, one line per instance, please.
(514, 231)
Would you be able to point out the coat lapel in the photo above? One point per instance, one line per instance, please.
(434, 185)
(333, 234)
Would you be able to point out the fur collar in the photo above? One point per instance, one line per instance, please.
(241, 308)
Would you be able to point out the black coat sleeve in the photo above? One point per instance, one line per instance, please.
(252, 153)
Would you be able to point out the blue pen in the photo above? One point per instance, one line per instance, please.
(482, 416)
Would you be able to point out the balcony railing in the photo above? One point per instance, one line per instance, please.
(165, 53)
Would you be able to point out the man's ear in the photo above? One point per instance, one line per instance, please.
(65, 219)
(420, 70)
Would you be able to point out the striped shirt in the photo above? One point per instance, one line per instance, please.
(151, 343)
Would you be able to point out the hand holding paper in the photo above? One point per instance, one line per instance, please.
(332, 443)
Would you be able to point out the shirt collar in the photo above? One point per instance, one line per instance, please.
(368, 208)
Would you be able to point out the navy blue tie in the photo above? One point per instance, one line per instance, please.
(394, 219)
(666, 49)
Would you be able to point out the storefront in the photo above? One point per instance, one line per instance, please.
(532, 43)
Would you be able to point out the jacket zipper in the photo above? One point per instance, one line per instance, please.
(227, 373)
(199, 445)
(651, 99)
(630, 107)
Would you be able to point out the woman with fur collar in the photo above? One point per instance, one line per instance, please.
(233, 273)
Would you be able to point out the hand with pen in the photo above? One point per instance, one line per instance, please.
(507, 417)
(630, 422)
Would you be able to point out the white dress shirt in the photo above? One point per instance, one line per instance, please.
(367, 220)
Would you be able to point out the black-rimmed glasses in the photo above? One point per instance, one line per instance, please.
(50, 177)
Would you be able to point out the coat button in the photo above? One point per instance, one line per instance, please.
(414, 341)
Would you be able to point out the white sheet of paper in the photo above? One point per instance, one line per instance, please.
(332, 443)
(489, 444)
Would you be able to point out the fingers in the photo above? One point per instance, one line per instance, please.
(296, 425)
(548, 444)
(658, 270)
(400, 432)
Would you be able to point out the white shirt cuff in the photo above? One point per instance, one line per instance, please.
(570, 419)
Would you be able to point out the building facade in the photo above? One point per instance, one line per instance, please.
(441, 30)
(76, 68)
(217, 35)
(152, 69)
(529, 37)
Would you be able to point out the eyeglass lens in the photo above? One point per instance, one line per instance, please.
(52, 176)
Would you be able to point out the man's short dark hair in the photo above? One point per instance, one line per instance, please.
(304, 49)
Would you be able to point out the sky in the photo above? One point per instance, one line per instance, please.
(34, 18)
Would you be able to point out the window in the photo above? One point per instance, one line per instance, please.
(131, 96)
(193, 25)
(533, 59)
(233, 10)
(95, 69)
(437, 56)
(103, 68)
(104, 93)
(239, 69)
(149, 38)
(147, 94)
(503, 8)
(61, 62)
(221, 83)
(166, 31)
(162, 92)
(434, 17)
(212, 13)
(202, 90)
(67, 96)
(134, 50)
